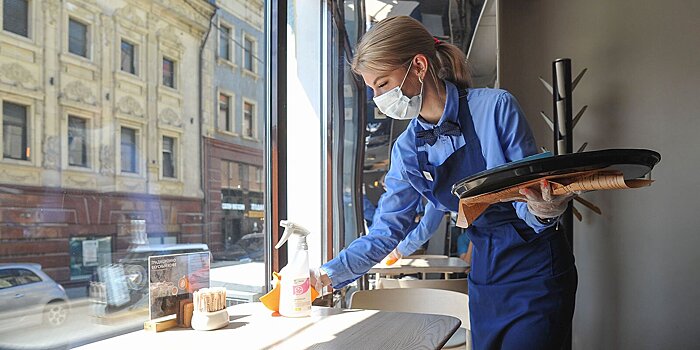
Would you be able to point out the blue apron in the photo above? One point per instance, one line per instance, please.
(522, 285)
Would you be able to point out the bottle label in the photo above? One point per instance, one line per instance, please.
(301, 286)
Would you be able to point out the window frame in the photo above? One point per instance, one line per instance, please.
(174, 156)
(138, 132)
(174, 74)
(134, 57)
(27, 137)
(231, 47)
(254, 64)
(30, 22)
(231, 112)
(88, 141)
(89, 29)
(253, 118)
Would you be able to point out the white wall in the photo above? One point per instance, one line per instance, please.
(639, 285)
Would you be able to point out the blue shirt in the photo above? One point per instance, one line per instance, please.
(504, 136)
(422, 233)
(462, 243)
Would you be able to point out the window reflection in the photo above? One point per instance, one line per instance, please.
(125, 135)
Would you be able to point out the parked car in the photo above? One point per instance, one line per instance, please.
(123, 287)
(28, 296)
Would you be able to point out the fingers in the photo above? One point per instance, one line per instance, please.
(546, 190)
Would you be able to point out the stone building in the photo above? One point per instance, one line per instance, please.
(235, 135)
(101, 125)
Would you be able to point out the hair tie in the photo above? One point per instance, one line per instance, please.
(437, 41)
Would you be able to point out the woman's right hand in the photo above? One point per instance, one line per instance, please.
(393, 257)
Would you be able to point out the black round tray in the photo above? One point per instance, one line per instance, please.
(633, 163)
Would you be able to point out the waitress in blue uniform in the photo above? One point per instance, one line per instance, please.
(523, 284)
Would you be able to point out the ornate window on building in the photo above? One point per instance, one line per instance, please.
(225, 42)
(14, 131)
(225, 118)
(168, 72)
(249, 53)
(129, 150)
(15, 17)
(77, 142)
(249, 119)
(78, 34)
(129, 53)
(169, 157)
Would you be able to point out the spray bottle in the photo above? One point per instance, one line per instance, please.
(295, 286)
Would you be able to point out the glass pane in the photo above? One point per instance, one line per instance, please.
(77, 38)
(77, 142)
(125, 168)
(14, 131)
(249, 53)
(224, 112)
(15, 17)
(224, 43)
(168, 157)
(128, 150)
(248, 111)
(128, 58)
(168, 73)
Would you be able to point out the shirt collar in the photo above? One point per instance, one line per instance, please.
(450, 111)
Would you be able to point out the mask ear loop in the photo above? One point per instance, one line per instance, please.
(406, 75)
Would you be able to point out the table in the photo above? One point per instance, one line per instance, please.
(410, 265)
(252, 326)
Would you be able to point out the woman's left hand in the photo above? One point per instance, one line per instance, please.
(542, 203)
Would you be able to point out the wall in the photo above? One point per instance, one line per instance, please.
(638, 279)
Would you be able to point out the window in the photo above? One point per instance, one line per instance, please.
(168, 157)
(128, 57)
(224, 112)
(15, 17)
(77, 38)
(128, 150)
(248, 121)
(17, 277)
(225, 43)
(248, 55)
(14, 131)
(168, 73)
(77, 142)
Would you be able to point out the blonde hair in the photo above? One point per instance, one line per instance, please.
(394, 41)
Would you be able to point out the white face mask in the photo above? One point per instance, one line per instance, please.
(396, 105)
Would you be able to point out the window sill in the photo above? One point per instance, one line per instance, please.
(18, 40)
(167, 90)
(27, 162)
(78, 60)
(223, 61)
(250, 73)
(254, 139)
(130, 175)
(134, 78)
(228, 133)
(81, 169)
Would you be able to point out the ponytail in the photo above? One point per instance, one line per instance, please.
(452, 65)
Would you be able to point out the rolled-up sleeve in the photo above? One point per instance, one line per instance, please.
(517, 143)
(395, 213)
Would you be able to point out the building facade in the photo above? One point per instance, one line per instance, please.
(235, 135)
(101, 126)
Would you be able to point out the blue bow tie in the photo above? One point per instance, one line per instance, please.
(445, 129)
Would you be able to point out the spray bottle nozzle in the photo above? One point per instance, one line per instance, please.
(291, 228)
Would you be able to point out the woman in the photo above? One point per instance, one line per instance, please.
(523, 284)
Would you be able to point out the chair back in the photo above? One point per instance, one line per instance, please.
(418, 300)
(457, 285)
